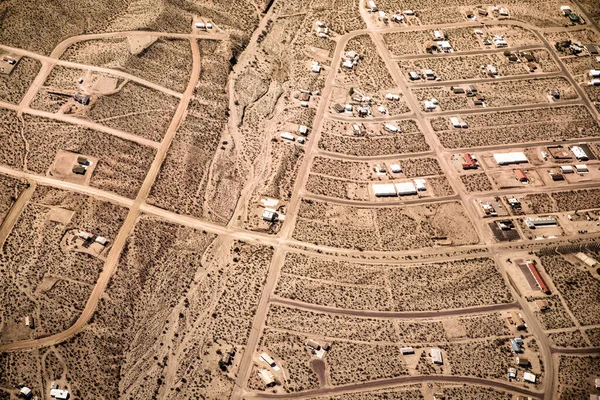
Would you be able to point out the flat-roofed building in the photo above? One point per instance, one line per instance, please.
(406, 189)
(436, 356)
(384, 190)
(516, 157)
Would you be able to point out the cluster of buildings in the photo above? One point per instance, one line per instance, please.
(55, 392)
(399, 189)
(88, 239)
(573, 17)
(322, 30)
(266, 375)
(350, 59)
(82, 165)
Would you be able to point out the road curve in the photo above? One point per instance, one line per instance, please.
(394, 314)
(402, 380)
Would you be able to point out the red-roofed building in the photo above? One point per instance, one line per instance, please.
(469, 162)
(521, 176)
(538, 277)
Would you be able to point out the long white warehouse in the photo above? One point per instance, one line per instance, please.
(406, 188)
(516, 157)
(384, 190)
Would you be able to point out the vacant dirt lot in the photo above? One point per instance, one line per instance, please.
(367, 297)
(409, 392)
(338, 188)
(471, 392)
(577, 199)
(567, 339)
(333, 326)
(375, 229)
(577, 372)
(155, 64)
(10, 189)
(14, 86)
(577, 286)
(464, 283)
(477, 182)
(136, 109)
(490, 359)
(377, 362)
(373, 146)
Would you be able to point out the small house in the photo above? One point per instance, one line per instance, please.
(542, 305)
(566, 10)
(269, 215)
(597, 383)
(522, 361)
(581, 168)
(315, 67)
(516, 348)
(457, 90)
(79, 170)
(303, 130)
(266, 358)
(512, 373)
(59, 394)
(200, 25)
(313, 344)
(529, 377)
(414, 76)
(338, 108)
(407, 350)
(287, 136)
(391, 128)
(566, 169)
(25, 393)
(83, 161)
(406, 189)
(395, 168)
(436, 356)
(101, 240)
(82, 99)
(267, 377)
(521, 176)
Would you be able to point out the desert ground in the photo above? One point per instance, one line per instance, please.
(277, 199)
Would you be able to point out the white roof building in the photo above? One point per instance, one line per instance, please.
(267, 377)
(444, 45)
(438, 35)
(384, 190)
(315, 67)
(579, 153)
(420, 184)
(516, 157)
(590, 262)
(529, 377)
(395, 168)
(491, 69)
(391, 128)
(303, 130)
(266, 358)
(429, 105)
(372, 5)
(405, 189)
(102, 240)
(348, 64)
(566, 169)
(269, 215)
(200, 25)
(566, 10)
(500, 43)
(287, 136)
(25, 392)
(407, 350)
(581, 168)
(436, 356)
(455, 122)
(594, 73)
(59, 394)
